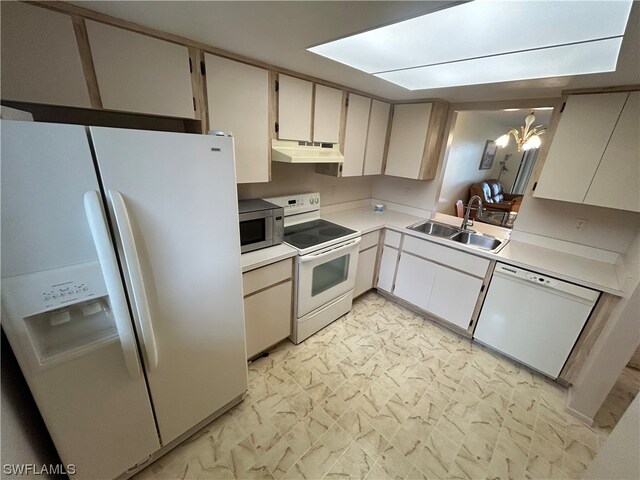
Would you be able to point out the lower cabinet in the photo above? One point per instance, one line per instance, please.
(367, 257)
(268, 296)
(440, 280)
(414, 280)
(387, 270)
(454, 296)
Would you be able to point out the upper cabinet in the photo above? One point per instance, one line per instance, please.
(295, 99)
(594, 156)
(307, 112)
(327, 112)
(365, 136)
(416, 137)
(40, 58)
(376, 137)
(139, 73)
(355, 137)
(238, 102)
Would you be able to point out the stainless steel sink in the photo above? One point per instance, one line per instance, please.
(435, 229)
(482, 242)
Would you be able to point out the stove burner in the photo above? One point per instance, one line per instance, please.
(304, 238)
(332, 231)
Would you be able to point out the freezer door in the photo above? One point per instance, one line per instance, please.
(173, 206)
(66, 323)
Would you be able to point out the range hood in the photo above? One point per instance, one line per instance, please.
(291, 151)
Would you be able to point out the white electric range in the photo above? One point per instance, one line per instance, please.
(325, 266)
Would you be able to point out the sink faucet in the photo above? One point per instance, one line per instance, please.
(465, 221)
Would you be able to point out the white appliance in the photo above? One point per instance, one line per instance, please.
(533, 318)
(126, 349)
(326, 263)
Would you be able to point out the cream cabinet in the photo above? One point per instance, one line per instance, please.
(295, 98)
(327, 112)
(238, 102)
(308, 112)
(40, 57)
(594, 157)
(139, 73)
(616, 183)
(365, 136)
(417, 132)
(367, 258)
(355, 136)
(415, 279)
(376, 138)
(444, 282)
(268, 312)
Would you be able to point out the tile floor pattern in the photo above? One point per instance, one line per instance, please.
(383, 393)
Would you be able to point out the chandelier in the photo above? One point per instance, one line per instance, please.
(526, 137)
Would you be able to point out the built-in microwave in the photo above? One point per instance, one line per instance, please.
(261, 224)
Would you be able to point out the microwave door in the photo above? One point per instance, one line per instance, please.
(256, 231)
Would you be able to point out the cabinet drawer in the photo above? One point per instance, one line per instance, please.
(267, 317)
(392, 238)
(265, 276)
(369, 240)
(446, 256)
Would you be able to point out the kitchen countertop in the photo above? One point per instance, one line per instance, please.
(564, 266)
(265, 256)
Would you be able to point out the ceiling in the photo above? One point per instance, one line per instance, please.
(512, 119)
(278, 33)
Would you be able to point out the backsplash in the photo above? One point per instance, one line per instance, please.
(289, 178)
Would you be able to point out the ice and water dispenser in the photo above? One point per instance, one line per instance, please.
(59, 314)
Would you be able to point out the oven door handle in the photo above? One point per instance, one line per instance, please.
(314, 257)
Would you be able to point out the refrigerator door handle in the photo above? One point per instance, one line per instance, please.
(135, 275)
(111, 274)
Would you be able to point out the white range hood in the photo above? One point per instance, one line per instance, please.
(291, 151)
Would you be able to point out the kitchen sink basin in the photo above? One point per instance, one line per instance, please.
(476, 240)
(435, 229)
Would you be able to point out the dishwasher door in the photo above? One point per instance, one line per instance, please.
(533, 318)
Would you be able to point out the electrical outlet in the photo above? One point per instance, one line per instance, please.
(333, 190)
(581, 224)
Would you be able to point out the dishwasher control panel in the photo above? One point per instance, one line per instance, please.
(540, 279)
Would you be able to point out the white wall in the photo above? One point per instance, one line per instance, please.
(610, 354)
(618, 458)
(607, 229)
(288, 179)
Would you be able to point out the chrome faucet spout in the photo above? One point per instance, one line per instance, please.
(466, 223)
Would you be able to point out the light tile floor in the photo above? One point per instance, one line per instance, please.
(383, 393)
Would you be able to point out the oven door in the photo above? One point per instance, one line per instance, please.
(325, 275)
(256, 230)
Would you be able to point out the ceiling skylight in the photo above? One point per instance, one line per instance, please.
(488, 41)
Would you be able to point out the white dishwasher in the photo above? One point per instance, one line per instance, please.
(533, 318)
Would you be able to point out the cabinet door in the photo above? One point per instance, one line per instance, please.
(366, 268)
(327, 112)
(454, 296)
(407, 140)
(578, 145)
(387, 268)
(355, 137)
(414, 280)
(238, 100)
(40, 58)
(139, 73)
(294, 108)
(617, 181)
(267, 317)
(376, 138)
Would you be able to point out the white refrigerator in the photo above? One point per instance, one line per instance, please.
(121, 286)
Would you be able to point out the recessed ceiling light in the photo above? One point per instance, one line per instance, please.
(484, 29)
(578, 59)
